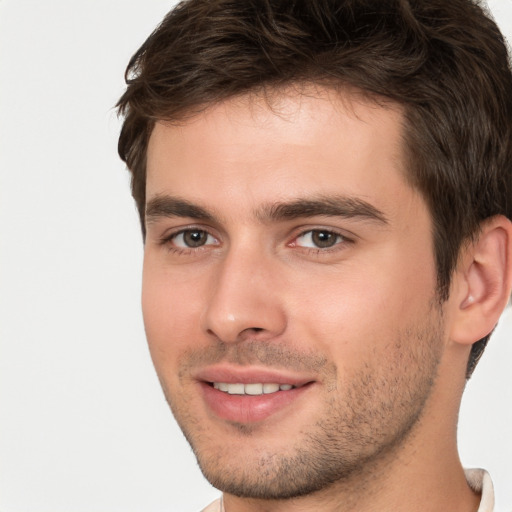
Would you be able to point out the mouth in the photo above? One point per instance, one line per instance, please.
(243, 395)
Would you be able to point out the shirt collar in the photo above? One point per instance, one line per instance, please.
(480, 481)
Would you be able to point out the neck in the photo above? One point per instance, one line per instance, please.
(429, 480)
(422, 474)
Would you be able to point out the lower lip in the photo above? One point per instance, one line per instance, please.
(248, 408)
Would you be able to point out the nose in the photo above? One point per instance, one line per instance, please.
(244, 300)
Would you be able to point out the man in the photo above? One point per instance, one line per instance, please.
(324, 189)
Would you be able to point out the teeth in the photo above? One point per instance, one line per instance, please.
(236, 389)
(270, 388)
(251, 389)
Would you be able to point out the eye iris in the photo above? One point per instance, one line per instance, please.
(195, 238)
(323, 238)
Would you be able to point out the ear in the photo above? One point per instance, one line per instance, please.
(482, 282)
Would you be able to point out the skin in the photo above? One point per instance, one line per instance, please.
(358, 321)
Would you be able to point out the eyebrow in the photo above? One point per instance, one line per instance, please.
(168, 206)
(326, 206)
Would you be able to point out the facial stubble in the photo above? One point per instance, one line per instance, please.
(368, 415)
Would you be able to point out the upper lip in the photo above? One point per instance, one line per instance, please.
(231, 374)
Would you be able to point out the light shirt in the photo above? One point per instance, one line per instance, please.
(478, 479)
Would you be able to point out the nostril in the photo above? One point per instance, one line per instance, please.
(252, 331)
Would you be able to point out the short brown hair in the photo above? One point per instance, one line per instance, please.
(445, 62)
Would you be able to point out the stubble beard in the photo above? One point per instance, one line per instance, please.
(368, 416)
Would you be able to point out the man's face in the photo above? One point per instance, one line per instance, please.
(289, 289)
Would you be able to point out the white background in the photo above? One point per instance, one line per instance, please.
(83, 423)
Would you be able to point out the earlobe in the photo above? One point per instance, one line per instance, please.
(484, 281)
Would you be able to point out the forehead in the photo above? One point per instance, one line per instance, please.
(255, 149)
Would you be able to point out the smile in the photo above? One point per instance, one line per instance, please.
(253, 401)
(254, 389)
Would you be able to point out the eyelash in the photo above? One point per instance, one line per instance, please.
(341, 239)
(167, 241)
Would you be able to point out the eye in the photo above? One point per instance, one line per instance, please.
(192, 238)
(318, 239)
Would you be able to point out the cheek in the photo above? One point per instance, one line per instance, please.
(171, 314)
(355, 313)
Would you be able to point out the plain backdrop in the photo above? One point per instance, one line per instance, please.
(83, 423)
